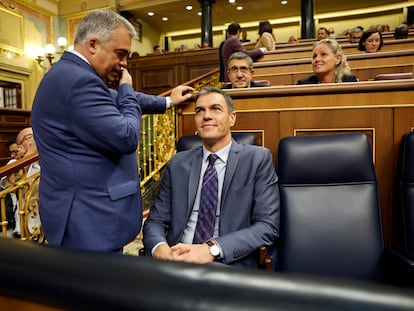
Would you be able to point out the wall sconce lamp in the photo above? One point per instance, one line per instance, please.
(49, 53)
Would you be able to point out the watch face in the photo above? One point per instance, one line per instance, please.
(214, 250)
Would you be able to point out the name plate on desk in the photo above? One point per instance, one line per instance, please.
(11, 31)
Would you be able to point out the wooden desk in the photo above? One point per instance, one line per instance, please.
(155, 74)
(347, 48)
(383, 110)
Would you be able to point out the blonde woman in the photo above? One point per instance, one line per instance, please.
(329, 64)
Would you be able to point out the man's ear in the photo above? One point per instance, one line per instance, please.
(92, 44)
(232, 119)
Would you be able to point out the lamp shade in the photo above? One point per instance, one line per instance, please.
(50, 49)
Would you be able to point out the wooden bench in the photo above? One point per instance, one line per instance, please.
(389, 36)
(365, 66)
(347, 48)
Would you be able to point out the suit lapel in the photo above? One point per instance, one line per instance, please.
(232, 163)
(195, 170)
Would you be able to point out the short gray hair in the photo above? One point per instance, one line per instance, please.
(241, 56)
(101, 24)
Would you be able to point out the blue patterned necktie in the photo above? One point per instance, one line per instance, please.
(208, 203)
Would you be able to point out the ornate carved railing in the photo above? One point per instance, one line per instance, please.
(21, 189)
(157, 146)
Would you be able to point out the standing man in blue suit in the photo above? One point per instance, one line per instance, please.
(247, 208)
(87, 135)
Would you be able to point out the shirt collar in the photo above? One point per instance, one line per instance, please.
(223, 153)
(80, 56)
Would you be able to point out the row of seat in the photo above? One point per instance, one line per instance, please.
(329, 207)
(38, 278)
(388, 36)
(365, 66)
(330, 215)
(348, 49)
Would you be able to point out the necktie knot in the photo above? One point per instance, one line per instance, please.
(212, 158)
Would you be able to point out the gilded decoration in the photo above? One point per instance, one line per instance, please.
(157, 145)
(25, 189)
(11, 31)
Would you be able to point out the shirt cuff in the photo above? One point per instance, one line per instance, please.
(168, 102)
(156, 245)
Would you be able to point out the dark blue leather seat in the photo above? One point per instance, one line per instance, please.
(330, 216)
(61, 279)
(404, 194)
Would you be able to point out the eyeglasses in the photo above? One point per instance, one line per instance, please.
(26, 137)
(235, 69)
(355, 37)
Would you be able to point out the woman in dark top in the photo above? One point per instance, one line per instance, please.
(371, 41)
(329, 64)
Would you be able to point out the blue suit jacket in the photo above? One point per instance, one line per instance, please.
(249, 215)
(87, 135)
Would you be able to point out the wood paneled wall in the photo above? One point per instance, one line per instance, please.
(154, 74)
(383, 110)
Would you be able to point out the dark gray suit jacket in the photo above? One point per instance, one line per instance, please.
(249, 215)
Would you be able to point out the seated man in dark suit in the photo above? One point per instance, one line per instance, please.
(240, 71)
(200, 221)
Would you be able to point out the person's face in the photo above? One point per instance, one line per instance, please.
(16, 151)
(372, 43)
(108, 58)
(322, 34)
(158, 50)
(293, 41)
(354, 37)
(239, 73)
(213, 120)
(323, 59)
(25, 139)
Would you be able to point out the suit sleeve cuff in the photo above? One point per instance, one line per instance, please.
(156, 245)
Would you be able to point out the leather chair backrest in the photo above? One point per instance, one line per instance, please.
(192, 141)
(330, 218)
(404, 194)
(35, 277)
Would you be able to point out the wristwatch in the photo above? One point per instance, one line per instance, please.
(214, 249)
